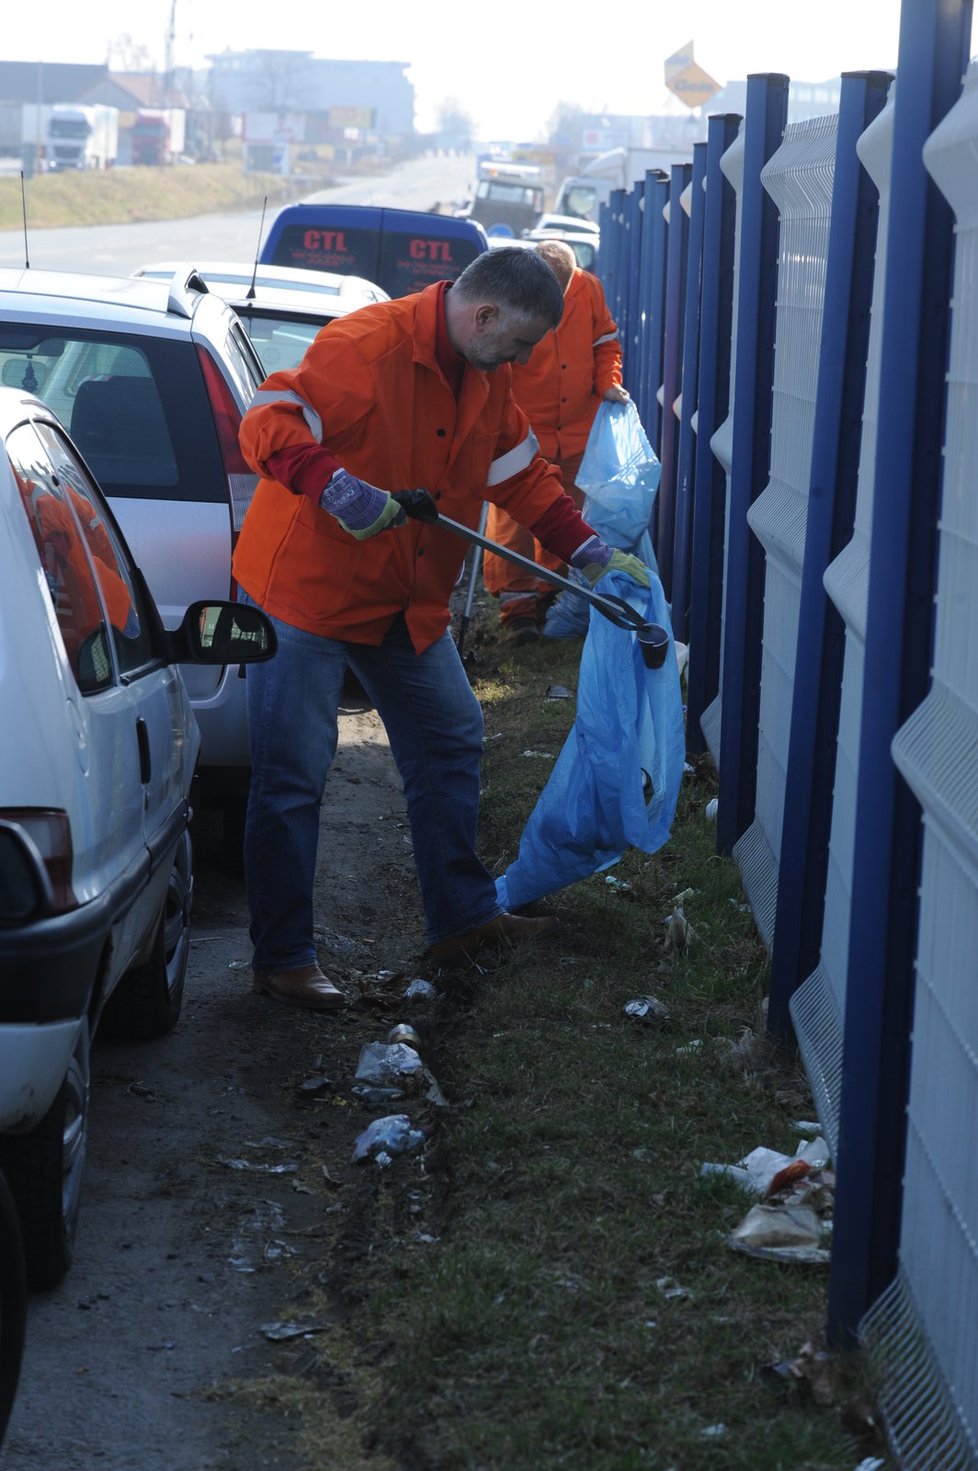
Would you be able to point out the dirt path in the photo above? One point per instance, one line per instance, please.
(219, 1191)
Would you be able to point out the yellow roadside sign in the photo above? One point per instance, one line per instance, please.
(679, 60)
(692, 85)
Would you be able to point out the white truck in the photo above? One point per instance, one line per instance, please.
(81, 137)
(582, 194)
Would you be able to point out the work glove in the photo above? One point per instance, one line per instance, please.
(595, 557)
(359, 507)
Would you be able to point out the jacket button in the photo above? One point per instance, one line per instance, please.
(420, 551)
(437, 495)
(440, 433)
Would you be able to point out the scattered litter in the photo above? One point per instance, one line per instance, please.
(757, 1170)
(647, 1009)
(670, 1288)
(682, 657)
(140, 1090)
(317, 1083)
(614, 883)
(544, 755)
(813, 1365)
(686, 894)
(281, 1332)
(784, 1233)
(558, 692)
(687, 769)
(404, 1035)
(805, 1126)
(740, 905)
(382, 1138)
(256, 1168)
(710, 810)
(713, 1432)
(871, 1463)
(692, 1046)
(379, 988)
(420, 990)
(679, 931)
(390, 1066)
(239, 965)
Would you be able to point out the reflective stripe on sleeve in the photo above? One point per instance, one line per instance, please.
(608, 337)
(265, 396)
(514, 460)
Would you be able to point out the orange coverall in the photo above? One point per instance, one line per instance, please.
(559, 390)
(371, 389)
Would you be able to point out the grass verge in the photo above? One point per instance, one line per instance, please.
(127, 196)
(575, 1303)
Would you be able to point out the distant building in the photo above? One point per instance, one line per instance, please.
(373, 97)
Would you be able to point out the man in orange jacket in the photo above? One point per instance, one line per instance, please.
(559, 389)
(408, 393)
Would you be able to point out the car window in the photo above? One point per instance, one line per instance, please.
(136, 406)
(121, 597)
(280, 341)
(88, 584)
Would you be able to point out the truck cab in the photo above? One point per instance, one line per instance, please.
(510, 195)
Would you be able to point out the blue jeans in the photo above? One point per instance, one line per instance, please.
(434, 726)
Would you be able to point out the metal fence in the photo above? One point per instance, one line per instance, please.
(799, 314)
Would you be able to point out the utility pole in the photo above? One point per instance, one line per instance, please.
(168, 56)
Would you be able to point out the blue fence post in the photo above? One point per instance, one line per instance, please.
(635, 214)
(712, 405)
(688, 447)
(672, 356)
(933, 55)
(743, 593)
(653, 286)
(836, 442)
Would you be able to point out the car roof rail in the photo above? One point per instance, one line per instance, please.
(186, 279)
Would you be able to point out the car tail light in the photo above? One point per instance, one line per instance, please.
(50, 832)
(227, 416)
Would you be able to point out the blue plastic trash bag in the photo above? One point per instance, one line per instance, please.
(619, 475)
(616, 781)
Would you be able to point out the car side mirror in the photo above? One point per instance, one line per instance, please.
(222, 633)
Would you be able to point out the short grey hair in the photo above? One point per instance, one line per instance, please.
(516, 279)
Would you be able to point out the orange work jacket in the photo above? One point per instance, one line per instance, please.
(570, 370)
(370, 390)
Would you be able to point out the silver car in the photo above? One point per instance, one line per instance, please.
(283, 308)
(98, 745)
(152, 377)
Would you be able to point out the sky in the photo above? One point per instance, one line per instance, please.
(508, 64)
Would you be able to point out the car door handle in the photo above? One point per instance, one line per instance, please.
(145, 762)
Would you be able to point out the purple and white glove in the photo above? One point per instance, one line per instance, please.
(595, 557)
(359, 507)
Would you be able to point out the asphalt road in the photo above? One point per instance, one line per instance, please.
(120, 249)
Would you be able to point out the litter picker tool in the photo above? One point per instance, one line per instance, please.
(652, 637)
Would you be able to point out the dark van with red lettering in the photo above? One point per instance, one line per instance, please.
(401, 250)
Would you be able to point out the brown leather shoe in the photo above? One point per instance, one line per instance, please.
(305, 985)
(504, 929)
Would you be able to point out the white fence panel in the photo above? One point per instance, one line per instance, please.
(818, 1006)
(799, 179)
(936, 1291)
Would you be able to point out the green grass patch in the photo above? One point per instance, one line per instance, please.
(581, 1307)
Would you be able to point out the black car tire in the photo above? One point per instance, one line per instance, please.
(147, 1000)
(13, 1303)
(44, 1171)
